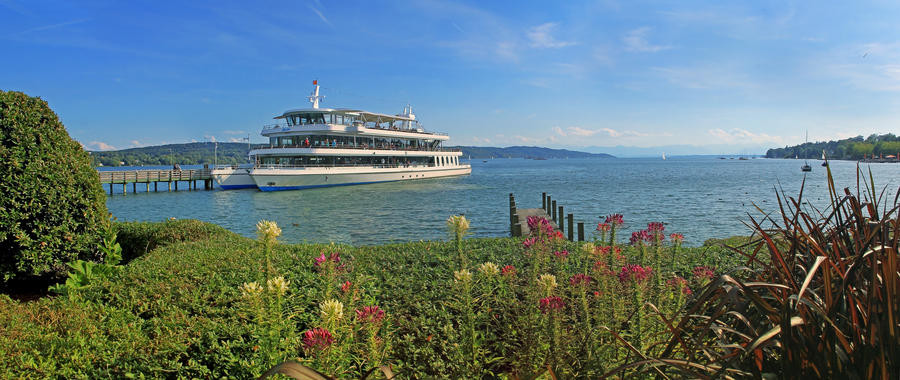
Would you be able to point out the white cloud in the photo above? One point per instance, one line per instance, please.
(99, 145)
(541, 37)
(231, 132)
(136, 143)
(237, 139)
(738, 135)
(636, 41)
(579, 132)
(481, 140)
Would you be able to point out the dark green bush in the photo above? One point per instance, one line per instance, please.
(139, 238)
(53, 208)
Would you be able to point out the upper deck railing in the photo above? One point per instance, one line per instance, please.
(270, 127)
(361, 147)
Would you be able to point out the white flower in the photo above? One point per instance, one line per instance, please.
(332, 310)
(547, 283)
(278, 285)
(462, 275)
(267, 230)
(458, 225)
(489, 269)
(251, 290)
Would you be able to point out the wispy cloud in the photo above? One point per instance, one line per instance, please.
(636, 41)
(234, 132)
(738, 135)
(51, 26)
(705, 77)
(541, 36)
(321, 16)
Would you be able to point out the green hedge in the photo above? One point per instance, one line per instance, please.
(52, 208)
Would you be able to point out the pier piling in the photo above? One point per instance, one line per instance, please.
(571, 220)
(580, 231)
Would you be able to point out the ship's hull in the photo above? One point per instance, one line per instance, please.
(276, 179)
(233, 178)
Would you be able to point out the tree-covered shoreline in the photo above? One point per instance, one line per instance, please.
(854, 148)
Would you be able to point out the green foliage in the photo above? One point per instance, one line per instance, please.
(139, 238)
(183, 154)
(848, 149)
(85, 272)
(53, 208)
(178, 311)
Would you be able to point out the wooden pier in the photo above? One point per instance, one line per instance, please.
(169, 177)
(518, 218)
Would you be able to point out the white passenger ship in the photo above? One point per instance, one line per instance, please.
(319, 147)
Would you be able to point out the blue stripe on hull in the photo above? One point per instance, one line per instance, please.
(280, 188)
(235, 187)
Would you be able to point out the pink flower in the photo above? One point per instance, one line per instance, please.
(562, 255)
(603, 227)
(635, 273)
(602, 250)
(704, 273)
(334, 257)
(529, 242)
(676, 238)
(655, 227)
(639, 237)
(317, 339)
(345, 287)
(580, 279)
(678, 282)
(551, 304)
(369, 314)
(557, 234)
(508, 270)
(615, 219)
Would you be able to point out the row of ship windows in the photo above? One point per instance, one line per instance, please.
(351, 141)
(358, 161)
(318, 118)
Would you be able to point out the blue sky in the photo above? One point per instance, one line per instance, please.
(736, 76)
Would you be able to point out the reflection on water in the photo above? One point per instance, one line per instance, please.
(700, 197)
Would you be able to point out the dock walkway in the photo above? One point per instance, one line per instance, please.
(170, 177)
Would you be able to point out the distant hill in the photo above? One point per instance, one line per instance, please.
(234, 153)
(184, 154)
(525, 152)
(847, 149)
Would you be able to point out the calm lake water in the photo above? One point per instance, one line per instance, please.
(699, 197)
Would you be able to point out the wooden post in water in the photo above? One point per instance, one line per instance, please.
(134, 186)
(553, 208)
(544, 201)
(560, 222)
(549, 204)
(512, 215)
(155, 187)
(571, 230)
(517, 229)
(124, 187)
(580, 231)
(176, 185)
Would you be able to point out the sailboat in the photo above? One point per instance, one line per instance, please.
(824, 160)
(806, 167)
(664, 156)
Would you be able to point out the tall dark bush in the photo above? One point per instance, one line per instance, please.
(52, 206)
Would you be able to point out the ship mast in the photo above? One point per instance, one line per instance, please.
(314, 97)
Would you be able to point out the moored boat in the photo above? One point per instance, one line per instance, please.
(321, 147)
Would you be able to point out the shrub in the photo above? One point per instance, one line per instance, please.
(818, 299)
(53, 208)
(139, 238)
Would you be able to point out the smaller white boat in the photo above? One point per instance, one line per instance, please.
(664, 156)
(232, 177)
